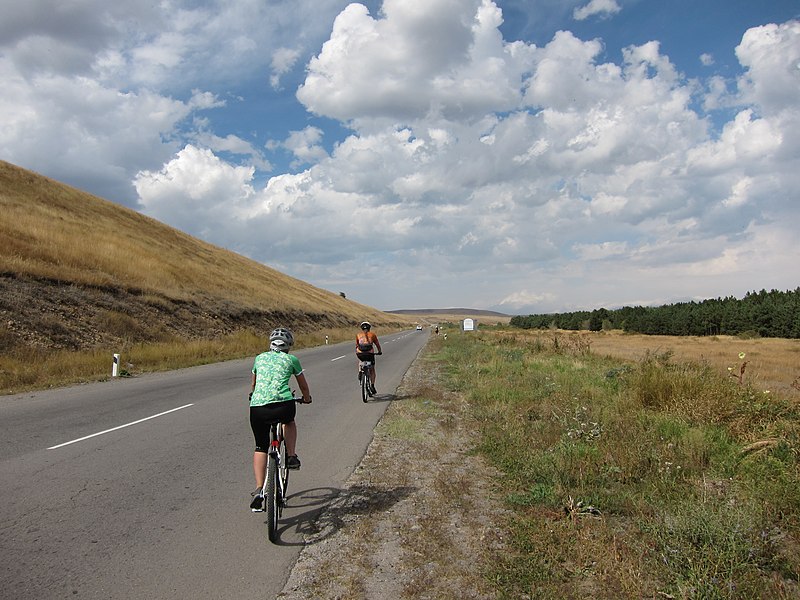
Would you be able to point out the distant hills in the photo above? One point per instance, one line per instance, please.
(470, 312)
(444, 315)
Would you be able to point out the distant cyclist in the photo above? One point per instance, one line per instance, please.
(271, 401)
(366, 343)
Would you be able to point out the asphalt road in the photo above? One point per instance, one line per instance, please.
(139, 488)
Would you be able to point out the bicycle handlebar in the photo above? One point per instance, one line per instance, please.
(299, 399)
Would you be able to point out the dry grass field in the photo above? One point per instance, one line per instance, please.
(770, 364)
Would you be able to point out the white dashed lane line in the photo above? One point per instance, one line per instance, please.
(166, 412)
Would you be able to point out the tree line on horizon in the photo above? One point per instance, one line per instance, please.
(765, 314)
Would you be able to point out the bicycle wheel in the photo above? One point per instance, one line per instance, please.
(365, 385)
(271, 497)
(283, 479)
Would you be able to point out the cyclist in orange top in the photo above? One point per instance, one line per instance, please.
(366, 342)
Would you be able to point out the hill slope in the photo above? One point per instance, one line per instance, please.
(78, 272)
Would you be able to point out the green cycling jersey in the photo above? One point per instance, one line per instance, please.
(273, 369)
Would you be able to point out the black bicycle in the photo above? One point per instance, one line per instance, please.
(365, 378)
(276, 481)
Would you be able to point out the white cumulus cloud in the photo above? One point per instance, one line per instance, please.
(428, 151)
(596, 7)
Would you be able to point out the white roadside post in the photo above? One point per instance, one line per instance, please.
(115, 366)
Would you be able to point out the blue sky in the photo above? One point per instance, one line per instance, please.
(522, 156)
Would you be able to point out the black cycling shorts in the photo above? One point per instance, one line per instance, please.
(261, 417)
(370, 356)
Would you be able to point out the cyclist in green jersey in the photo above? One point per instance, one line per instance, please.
(271, 401)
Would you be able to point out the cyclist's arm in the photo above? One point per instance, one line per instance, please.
(301, 381)
(252, 382)
(378, 345)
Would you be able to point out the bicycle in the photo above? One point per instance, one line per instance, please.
(364, 377)
(276, 481)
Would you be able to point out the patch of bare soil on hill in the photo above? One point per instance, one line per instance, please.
(418, 518)
(46, 314)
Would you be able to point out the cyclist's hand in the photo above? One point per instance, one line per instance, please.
(306, 400)
(380, 352)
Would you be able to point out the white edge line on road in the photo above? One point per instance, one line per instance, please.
(166, 412)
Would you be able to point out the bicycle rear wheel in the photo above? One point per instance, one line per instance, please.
(271, 497)
(365, 385)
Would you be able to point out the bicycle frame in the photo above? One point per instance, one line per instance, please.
(277, 451)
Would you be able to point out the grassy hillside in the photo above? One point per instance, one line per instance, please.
(52, 231)
(80, 273)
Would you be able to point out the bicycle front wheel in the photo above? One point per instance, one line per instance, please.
(283, 479)
(271, 498)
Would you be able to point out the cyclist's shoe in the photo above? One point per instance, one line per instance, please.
(360, 375)
(292, 462)
(372, 390)
(258, 501)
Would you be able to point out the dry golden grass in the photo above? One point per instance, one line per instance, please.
(52, 231)
(21, 370)
(772, 363)
(769, 363)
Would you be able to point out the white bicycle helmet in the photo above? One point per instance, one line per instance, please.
(281, 339)
(365, 326)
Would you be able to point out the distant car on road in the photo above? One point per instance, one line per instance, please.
(419, 327)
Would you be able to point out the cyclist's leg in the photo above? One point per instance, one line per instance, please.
(260, 427)
(285, 413)
(290, 438)
(259, 467)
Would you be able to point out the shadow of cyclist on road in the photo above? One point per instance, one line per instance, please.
(385, 398)
(327, 510)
